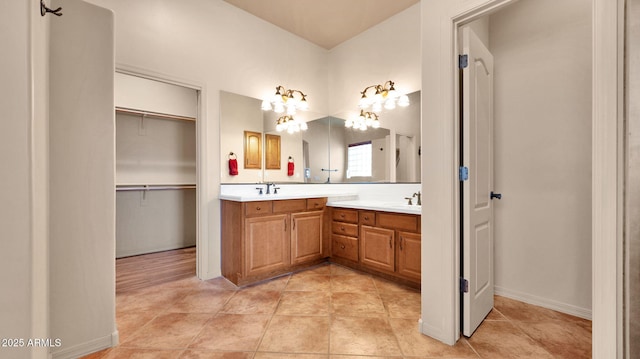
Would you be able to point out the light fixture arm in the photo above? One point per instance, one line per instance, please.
(387, 86)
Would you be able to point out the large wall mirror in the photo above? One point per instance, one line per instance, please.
(327, 152)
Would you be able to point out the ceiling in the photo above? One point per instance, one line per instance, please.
(326, 23)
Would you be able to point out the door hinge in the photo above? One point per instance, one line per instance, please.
(463, 173)
(464, 285)
(463, 61)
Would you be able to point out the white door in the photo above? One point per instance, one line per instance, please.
(477, 157)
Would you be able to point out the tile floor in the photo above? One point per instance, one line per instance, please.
(327, 312)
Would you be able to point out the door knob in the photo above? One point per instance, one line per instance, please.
(496, 195)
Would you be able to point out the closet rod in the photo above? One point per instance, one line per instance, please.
(130, 111)
(153, 187)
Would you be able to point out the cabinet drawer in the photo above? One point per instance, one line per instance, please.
(344, 247)
(407, 222)
(257, 208)
(289, 205)
(316, 203)
(368, 218)
(345, 229)
(345, 215)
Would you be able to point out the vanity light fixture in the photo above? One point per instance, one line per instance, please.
(286, 100)
(385, 94)
(363, 121)
(290, 124)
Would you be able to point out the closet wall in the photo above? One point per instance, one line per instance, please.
(155, 166)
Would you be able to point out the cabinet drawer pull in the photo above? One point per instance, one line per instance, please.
(293, 224)
(342, 247)
(341, 215)
(285, 224)
(390, 245)
(316, 204)
(400, 243)
(258, 208)
(366, 218)
(342, 228)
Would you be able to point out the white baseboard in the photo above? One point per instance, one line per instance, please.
(88, 347)
(544, 302)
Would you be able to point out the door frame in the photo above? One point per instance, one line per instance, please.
(202, 188)
(440, 133)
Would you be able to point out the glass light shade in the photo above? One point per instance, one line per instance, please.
(303, 105)
(277, 98)
(392, 93)
(390, 104)
(403, 101)
(364, 102)
(291, 109)
(266, 105)
(348, 123)
(279, 127)
(375, 124)
(376, 107)
(368, 121)
(303, 126)
(278, 107)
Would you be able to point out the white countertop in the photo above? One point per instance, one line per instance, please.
(341, 201)
(377, 206)
(274, 197)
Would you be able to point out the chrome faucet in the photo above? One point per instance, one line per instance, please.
(419, 203)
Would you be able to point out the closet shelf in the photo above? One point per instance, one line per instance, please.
(153, 187)
(129, 111)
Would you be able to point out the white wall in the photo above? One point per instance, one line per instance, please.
(82, 173)
(388, 51)
(153, 221)
(143, 94)
(193, 44)
(542, 153)
(154, 151)
(23, 188)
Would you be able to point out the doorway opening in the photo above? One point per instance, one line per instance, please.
(156, 179)
(541, 234)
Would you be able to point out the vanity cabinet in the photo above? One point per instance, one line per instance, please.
(344, 234)
(263, 239)
(384, 243)
(266, 246)
(377, 248)
(306, 237)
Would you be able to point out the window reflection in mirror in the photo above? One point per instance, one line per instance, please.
(322, 153)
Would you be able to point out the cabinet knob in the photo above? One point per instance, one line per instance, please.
(342, 247)
(341, 215)
(342, 228)
(366, 218)
(257, 208)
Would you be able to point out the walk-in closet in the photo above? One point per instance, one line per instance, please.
(155, 166)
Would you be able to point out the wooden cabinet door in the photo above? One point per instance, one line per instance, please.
(252, 150)
(306, 236)
(377, 248)
(272, 152)
(409, 264)
(267, 246)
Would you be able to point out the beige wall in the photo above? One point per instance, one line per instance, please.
(632, 197)
(24, 303)
(82, 180)
(542, 153)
